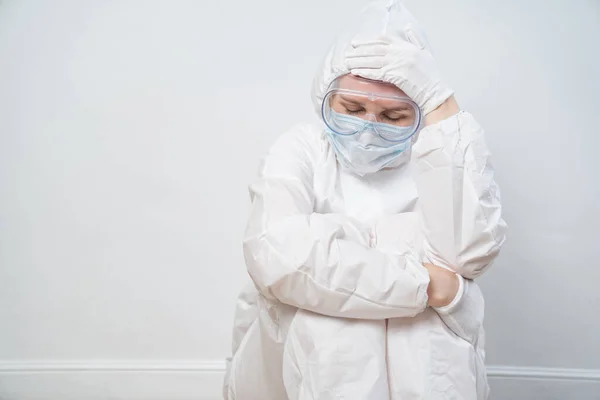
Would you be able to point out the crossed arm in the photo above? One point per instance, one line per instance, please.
(325, 263)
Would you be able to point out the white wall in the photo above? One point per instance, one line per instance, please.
(129, 131)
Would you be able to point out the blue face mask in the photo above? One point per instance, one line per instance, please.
(349, 125)
(367, 150)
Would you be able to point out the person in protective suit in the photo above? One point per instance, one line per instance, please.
(365, 234)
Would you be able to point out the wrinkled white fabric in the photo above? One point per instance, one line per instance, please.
(407, 65)
(378, 19)
(338, 305)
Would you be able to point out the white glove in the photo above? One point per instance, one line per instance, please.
(408, 65)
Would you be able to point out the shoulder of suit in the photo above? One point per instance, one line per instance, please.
(302, 137)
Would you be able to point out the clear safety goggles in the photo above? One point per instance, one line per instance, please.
(348, 112)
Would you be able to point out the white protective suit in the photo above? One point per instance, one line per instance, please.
(338, 305)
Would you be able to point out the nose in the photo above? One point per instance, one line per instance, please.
(367, 136)
(371, 117)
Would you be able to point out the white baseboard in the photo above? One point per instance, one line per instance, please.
(182, 380)
(537, 383)
(111, 380)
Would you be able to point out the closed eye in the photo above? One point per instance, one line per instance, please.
(395, 118)
(353, 111)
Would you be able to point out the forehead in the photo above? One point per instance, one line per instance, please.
(351, 82)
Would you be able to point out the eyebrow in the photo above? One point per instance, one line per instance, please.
(398, 108)
(349, 100)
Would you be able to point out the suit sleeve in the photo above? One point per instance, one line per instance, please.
(459, 200)
(321, 262)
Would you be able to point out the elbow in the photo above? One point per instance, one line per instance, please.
(473, 265)
(479, 256)
(265, 267)
(256, 267)
(473, 269)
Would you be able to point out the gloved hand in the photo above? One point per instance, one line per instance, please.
(444, 286)
(408, 65)
(400, 234)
